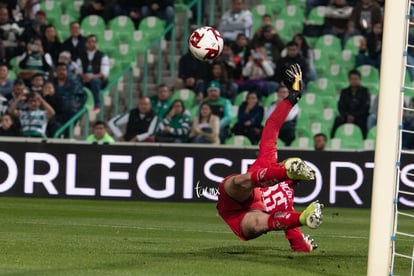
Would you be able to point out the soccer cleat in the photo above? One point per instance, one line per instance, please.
(303, 243)
(297, 169)
(312, 215)
(311, 242)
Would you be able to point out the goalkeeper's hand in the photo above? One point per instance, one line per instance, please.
(294, 77)
(293, 81)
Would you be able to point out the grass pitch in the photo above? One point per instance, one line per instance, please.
(86, 237)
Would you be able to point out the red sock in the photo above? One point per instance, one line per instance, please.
(263, 175)
(283, 220)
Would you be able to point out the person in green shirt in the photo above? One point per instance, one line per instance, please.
(176, 125)
(161, 102)
(100, 134)
(221, 107)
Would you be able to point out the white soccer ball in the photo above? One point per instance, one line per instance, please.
(206, 43)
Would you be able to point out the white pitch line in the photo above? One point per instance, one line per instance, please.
(163, 229)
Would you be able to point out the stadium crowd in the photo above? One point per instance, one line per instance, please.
(228, 97)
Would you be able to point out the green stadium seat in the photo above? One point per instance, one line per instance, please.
(321, 62)
(346, 59)
(316, 16)
(329, 44)
(293, 17)
(322, 86)
(369, 78)
(187, 96)
(311, 104)
(234, 115)
(298, 3)
(72, 8)
(353, 42)
(240, 98)
(139, 42)
(93, 24)
(302, 143)
(238, 140)
(53, 9)
(123, 27)
(369, 143)
(109, 42)
(270, 99)
(62, 25)
(257, 12)
(284, 29)
(125, 55)
(152, 27)
(348, 136)
(276, 6)
(337, 74)
(292, 13)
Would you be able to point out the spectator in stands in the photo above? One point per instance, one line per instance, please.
(257, 73)
(175, 127)
(232, 63)
(132, 9)
(71, 90)
(56, 101)
(365, 14)
(36, 83)
(267, 20)
(353, 105)
(221, 107)
(75, 44)
(306, 52)
(337, 15)
(6, 84)
(9, 34)
(319, 141)
(33, 120)
(19, 89)
(65, 57)
(249, 118)
(161, 101)
(206, 126)
(190, 72)
(51, 43)
(163, 9)
(100, 134)
(236, 20)
(23, 12)
(140, 122)
(292, 56)
(94, 69)
(102, 8)
(32, 31)
(271, 41)
(219, 73)
(34, 60)
(241, 48)
(8, 127)
(370, 49)
(287, 132)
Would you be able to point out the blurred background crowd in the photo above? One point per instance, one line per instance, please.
(58, 57)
